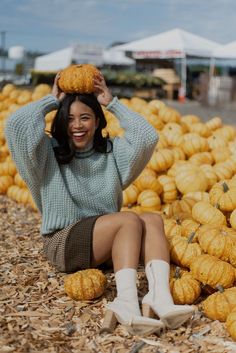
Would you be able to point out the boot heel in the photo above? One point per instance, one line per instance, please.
(147, 311)
(109, 322)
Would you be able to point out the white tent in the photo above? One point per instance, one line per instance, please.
(116, 57)
(176, 43)
(81, 53)
(225, 54)
(54, 61)
(227, 51)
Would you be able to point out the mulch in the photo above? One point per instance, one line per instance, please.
(36, 315)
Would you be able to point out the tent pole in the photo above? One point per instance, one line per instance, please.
(212, 67)
(212, 93)
(182, 90)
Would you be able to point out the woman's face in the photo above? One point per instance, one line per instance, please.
(82, 125)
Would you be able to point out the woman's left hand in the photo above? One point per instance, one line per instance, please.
(102, 92)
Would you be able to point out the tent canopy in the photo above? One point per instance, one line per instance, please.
(116, 57)
(227, 51)
(54, 61)
(81, 53)
(176, 43)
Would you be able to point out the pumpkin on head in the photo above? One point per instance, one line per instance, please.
(78, 78)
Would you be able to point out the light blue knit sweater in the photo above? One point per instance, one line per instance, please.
(86, 186)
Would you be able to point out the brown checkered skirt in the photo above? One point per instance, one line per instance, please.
(69, 249)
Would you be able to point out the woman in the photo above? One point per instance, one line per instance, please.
(76, 179)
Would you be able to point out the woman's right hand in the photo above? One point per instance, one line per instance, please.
(56, 91)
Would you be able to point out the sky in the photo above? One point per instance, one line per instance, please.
(49, 25)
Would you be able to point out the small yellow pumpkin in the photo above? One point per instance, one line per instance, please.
(223, 194)
(190, 228)
(184, 205)
(169, 115)
(149, 201)
(212, 271)
(184, 288)
(161, 160)
(216, 241)
(170, 192)
(183, 251)
(5, 182)
(232, 219)
(190, 178)
(130, 195)
(204, 213)
(144, 182)
(219, 305)
(193, 143)
(172, 227)
(85, 284)
(214, 123)
(202, 158)
(231, 323)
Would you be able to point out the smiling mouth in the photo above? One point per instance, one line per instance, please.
(77, 136)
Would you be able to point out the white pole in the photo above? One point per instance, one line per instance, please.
(212, 91)
(182, 91)
(212, 67)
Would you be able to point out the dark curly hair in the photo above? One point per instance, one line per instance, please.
(65, 150)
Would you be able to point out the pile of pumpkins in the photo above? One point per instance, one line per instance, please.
(11, 182)
(190, 180)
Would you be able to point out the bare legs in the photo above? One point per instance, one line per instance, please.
(154, 242)
(127, 237)
(117, 236)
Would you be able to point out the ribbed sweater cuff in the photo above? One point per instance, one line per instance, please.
(48, 103)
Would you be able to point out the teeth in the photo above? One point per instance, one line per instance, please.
(79, 133)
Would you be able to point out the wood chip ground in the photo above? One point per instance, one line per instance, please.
(37, 316)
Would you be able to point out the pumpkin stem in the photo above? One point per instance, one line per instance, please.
(225, 186)
(220, 288)
(191, 236)
(178, 221)
(177, 272)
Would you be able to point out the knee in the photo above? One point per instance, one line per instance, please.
(152, 219)
(132, 219)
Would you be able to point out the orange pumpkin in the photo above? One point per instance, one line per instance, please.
(78, 78)
(204, 213)
(149, 201)
(219, 305)
(184, 288)
(130, 195)
(223, 194)
(85, 285)
(212, 271)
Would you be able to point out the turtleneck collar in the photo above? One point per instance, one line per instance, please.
(85, 152)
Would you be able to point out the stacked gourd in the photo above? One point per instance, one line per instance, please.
(190, 180)
(11, 182)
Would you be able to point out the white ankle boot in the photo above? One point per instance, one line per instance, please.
(159, 300)
(126, 306)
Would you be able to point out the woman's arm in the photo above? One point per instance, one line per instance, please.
(25, 133)
(134, 149)
(27, 141)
